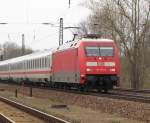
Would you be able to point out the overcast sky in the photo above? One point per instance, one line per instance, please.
(26, 16)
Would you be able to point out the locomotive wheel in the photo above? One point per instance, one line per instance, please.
(105, 90)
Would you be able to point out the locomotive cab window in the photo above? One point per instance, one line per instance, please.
(92, 51)
(106, 51)
(99, 51)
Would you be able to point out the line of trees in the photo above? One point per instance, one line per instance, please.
(128, 23)
(12, 50)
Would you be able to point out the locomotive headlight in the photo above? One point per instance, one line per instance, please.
(110, 64)
(113, 70)
(88, 69)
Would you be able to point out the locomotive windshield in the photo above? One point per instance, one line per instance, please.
(99, 51)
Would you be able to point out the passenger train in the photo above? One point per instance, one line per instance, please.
(87, 63)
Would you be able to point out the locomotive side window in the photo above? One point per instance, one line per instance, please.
(45, 62)
(39, 62)
(99, 51)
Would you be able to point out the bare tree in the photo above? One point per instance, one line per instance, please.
(12, 50)
(82, 29)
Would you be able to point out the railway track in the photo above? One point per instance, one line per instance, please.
(132, 95)
(119, 93)
(13, 112)
(137, 96)
(145, 91)
(125, 94)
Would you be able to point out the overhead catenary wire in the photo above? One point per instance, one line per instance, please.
(54, 24)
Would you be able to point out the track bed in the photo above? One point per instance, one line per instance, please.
(17, 115)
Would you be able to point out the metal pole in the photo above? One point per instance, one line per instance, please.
(61, 32)
(69, 3)
(23, 44)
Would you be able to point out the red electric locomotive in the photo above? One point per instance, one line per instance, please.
(87, 63)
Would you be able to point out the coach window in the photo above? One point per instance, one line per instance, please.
(39, 63)
(49, 61)
(24, 65)
(36, 63)
(29, 64)
(18, 66)
(45, 62)
(42, 62)
(32, 64)
(37, 60)
(15, 66)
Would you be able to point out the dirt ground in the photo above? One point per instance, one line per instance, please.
(73, 113)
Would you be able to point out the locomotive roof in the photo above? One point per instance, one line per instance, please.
(76, 43)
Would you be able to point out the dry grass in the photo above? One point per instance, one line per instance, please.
(73, 113)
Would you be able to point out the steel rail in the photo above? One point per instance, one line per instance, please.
(146, 91)
(4, 119)
(34, 112)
